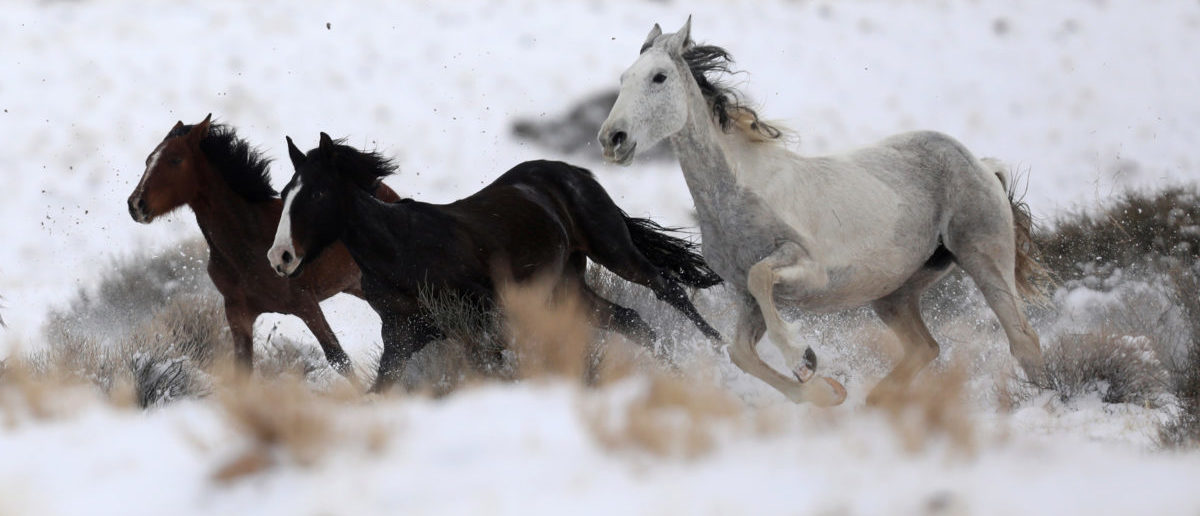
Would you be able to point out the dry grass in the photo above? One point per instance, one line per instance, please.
(131, 292)
(1120, 368)
(476, 338)
(28, 392)
(669, 417)
(1184, 429)
(166, 357)
(933, 408)
(1140, 229)
(549, 329)
(285, 420)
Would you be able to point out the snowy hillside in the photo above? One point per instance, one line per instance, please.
(1088, 97)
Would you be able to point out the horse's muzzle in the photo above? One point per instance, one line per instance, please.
(620, 154)
(137, 210)
(617, 147)
(285, 262)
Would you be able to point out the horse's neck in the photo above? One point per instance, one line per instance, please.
(233, 226)
(738, 225)
(714, 163)
(706, 167)
(374, 231)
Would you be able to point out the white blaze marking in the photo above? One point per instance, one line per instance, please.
(153, 161)
(283, 235)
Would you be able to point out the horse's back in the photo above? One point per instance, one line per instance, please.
(519, 217)
(547, 175)
(878, 213)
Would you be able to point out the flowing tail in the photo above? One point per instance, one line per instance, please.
(676, 255)
(1031, 276)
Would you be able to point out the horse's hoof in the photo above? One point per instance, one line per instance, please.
(832, 394)
(805, 370)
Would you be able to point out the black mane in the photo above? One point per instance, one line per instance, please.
(723, 99)
(364, 168)
(243, 167)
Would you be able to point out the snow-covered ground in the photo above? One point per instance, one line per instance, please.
(1089, 96)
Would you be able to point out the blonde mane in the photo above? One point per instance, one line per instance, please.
(709, 64)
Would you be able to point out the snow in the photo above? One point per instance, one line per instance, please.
(1088, 97)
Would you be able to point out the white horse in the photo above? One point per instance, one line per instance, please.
(877, 225)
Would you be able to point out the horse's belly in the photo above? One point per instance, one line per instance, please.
(839, 295)
(854, 282)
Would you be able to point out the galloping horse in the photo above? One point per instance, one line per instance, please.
(540, 219)
(877, 225)
(226, 184)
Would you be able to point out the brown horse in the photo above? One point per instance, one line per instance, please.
(226, 183)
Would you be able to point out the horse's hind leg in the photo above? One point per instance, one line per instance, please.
(989, 258)
(613, 317)
(312, 316)
(626, 261)
(901, 311)
(604, 229)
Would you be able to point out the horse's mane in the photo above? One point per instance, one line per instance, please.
(708, 64)
(243, 167)
(364, 168)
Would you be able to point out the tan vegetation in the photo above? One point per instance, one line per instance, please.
(934, 407)
(669, 416)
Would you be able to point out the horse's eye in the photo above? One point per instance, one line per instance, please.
(659, 78)
(176, 161)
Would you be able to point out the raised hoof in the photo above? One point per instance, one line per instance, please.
(808, 368)
(834, 396)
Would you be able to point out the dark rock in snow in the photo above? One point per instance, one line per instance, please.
(575, 131)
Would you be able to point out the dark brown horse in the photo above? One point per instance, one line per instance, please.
(226, 183)
(541, 219)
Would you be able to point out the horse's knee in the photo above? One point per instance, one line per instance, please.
(741, 357)
(761, 278)
(790, 264)
(807, 274)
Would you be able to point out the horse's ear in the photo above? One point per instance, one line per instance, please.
(178, 125)
(294, 153)
(201, 130)
(655, 32)
(682, 39)
(326, 143)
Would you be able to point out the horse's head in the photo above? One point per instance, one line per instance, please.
(171, 178)
(314, 200)
(653, 99)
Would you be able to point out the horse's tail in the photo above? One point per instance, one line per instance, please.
(678, 256)
(1031, 276)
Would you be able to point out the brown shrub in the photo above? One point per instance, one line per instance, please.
(131, 292)
(1143, 229)
(1184, 429)
(1121, 368)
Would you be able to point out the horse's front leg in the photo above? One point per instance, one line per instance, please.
(743, 353)
(403, 336)
(241, 328)
(792, 264)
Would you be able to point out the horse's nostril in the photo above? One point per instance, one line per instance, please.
(618, 138)
(287, 257)
(141, 204)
